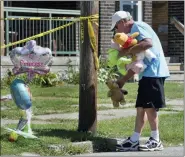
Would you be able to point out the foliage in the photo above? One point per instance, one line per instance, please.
(9, 77)
(71, 75)
(48, 80)
(105, 72)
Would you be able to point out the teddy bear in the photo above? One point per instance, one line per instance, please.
(126, 42)
(116, 94)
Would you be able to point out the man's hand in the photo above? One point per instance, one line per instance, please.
(140, 47)
(121, 82)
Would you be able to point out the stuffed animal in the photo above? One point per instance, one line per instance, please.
(124, 40)
(128, 41)
(113, 57)
(114, 60)
(116, 94)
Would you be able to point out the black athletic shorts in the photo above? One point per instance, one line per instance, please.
(151, 93)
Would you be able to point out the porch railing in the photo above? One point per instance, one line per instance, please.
(62, 42)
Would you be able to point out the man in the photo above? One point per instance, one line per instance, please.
(150, 96)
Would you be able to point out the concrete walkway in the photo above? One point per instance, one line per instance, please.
(176, 104)
(101, 115)
(170, 151)
(121, 112)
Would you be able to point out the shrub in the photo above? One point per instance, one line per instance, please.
(48, 80)
(71, 75)
(105, 72)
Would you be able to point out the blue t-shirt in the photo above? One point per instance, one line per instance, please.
(159, 67)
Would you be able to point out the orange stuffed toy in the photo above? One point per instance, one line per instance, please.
(124, 40)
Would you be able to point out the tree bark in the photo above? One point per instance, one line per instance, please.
(88, 77)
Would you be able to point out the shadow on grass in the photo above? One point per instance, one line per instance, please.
(100, 144)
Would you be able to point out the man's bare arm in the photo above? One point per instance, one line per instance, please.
(140, 47)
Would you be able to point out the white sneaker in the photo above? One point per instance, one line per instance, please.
(128, 145)
(151, 145)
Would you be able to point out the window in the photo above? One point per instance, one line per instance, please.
(134, 7)
(6, 3)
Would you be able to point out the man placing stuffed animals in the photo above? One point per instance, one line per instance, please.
(150, 97)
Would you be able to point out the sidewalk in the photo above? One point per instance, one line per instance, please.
(101, 115)
(169, 151)
(176, 105)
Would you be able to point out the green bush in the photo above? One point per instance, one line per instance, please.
(105, 72)
(48, 80)
(72, 76)
(9, 77)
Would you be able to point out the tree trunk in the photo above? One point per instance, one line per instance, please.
(88, 77)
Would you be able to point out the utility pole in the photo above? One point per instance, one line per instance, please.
(2, 26)
(88, 76)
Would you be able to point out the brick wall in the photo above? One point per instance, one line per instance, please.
(175, 38)
(160, 22)
(106, 10)
(147, 12)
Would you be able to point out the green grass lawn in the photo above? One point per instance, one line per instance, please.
(171, 133)
(64, 99)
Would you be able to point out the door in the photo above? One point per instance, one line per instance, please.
(134, 7)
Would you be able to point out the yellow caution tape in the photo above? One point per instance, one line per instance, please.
(81, 32)
(91, 33)
(47, 32)
(93, 44)
(39, 18)
(38, 35)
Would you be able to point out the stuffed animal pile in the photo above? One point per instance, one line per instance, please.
(126, 41)
(123, 63)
